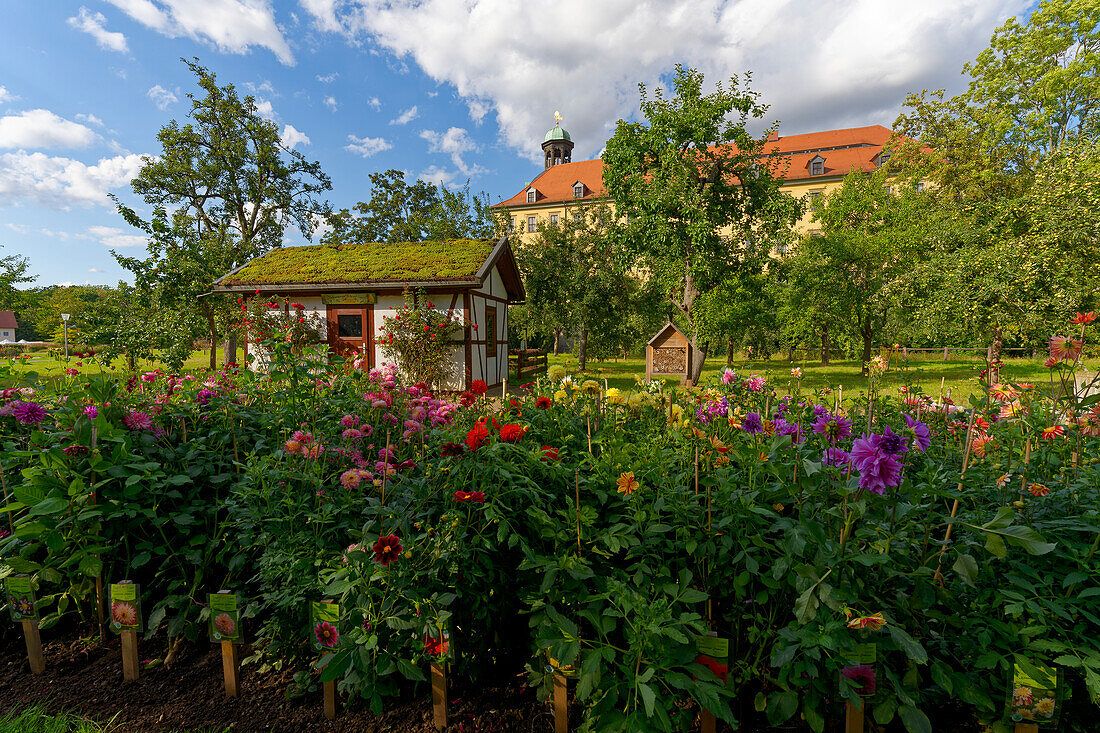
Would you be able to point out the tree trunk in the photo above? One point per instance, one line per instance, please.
(824, 345)
(229, 349)
(213, 338)
(582, 349)
(557, 341)
(998, 344)
(729, 353)
(700, 355)
(790, 352)
(865, 332)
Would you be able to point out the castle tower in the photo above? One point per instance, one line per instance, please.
(557, 145)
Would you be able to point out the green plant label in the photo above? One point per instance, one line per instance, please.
(225, 617)
(24, 606)
(324, 625)
(864, 654)
(714, 647)
(125, 607)
(1033, 695)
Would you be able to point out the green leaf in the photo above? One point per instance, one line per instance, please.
(966, 567)
(1029, 539)
(996, 545)
(90, 565)
(915, 721)
(52, 505)
(805, 606)
(648, 698)
(941, 675)
(781, 706)
(908, 644)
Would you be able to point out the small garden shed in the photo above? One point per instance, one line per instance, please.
(350, 288)
(669, 354)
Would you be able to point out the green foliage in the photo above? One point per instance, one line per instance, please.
(421, 340)
(401, 212)
(366, 262)
(692, 185)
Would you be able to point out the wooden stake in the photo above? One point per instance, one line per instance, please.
(853, 718)
(439, 696)
(330, 699)
(707, 721)
(577, 486)
(697, 469)
(1027, 728)
(561, 703)
(938, 577)
(231, 668)
(130, 667)
(34, 646)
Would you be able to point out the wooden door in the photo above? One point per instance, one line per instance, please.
(351, 331)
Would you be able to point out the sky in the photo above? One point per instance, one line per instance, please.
(445, 90)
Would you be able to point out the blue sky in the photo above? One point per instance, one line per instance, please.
(445, 90)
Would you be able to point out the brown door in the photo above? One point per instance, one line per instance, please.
(350, 331)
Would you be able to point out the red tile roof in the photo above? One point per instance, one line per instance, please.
(843, 150)
(7, 320)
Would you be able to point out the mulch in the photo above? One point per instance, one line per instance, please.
(87, 679)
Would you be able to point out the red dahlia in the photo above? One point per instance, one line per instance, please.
(543, 403)
(387, 549)
(512, 433)
(479, 387)
(477, 437)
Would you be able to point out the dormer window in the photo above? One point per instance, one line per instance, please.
(578, 190)
(532, 194)
(883, 158)
(817, 166)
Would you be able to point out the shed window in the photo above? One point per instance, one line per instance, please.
(578, 190)
(530, 223)
(350, 325)
(491, 331)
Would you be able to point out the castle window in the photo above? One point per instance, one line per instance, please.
(530, 223)
(512, 227)
(919, 186)
(578, 190)
(531, 195)
(817, 167)
(578, 217)
(553, 220)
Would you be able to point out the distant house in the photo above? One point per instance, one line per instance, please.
(350, 288)
(7, 326)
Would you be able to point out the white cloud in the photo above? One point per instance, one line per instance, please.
(61, 183)
(161, 97)
(95, 25)
(406, 117)
(6, 96)
(291, 137)
(264, 109)
(374, 103)
(435, 174)
(264, 86)
(40, 128)
(94, 269)
(455, 142)
(115, 237)
(90, 119)
(328, 78)
(231, 26)
(819, 65)
(478, 109)
(366, 146)
(331, 103)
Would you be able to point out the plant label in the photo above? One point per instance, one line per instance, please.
(715, 648)
(1033, 696)
(24, 606)
(324, 625)
(225, 617)
(125, 607)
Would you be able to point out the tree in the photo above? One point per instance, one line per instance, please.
(14, 271)
(398, 211)
(578, 280)
(692, 186)
(223, 191)
(41, 317)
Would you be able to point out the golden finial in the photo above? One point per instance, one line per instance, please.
(557, 118)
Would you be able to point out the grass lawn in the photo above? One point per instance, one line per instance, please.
(959, 374)
(53, 368)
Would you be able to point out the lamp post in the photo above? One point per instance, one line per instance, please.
(65, 323)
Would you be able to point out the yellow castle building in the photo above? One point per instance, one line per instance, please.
(810, 165)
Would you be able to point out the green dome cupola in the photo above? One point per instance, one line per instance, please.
(557, 145)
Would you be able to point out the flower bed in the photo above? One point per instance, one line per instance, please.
(841, 550)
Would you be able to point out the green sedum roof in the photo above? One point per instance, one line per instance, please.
(370, 262)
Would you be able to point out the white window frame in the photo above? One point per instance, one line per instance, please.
(532, 195)
(578, 190)
(553, 220)
(530, 223)
(817, 167)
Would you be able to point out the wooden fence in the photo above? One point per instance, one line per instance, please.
(905, 351)
(526, 362)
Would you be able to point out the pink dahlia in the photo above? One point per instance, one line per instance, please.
(878, 467)
(29, 413)
(137, 420)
